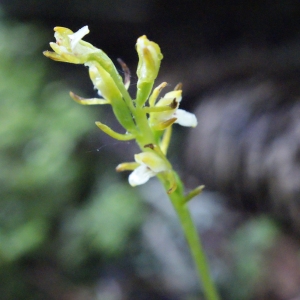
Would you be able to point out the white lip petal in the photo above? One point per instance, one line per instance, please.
(77, 36)
(140, 175)
(185, 118)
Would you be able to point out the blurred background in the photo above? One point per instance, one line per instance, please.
(72, 229)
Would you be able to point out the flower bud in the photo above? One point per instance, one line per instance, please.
(108, 89)
(149, 60)
(103, 82)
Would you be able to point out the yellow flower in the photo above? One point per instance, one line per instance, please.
(149, 165)
(161, 120)
(70, 47)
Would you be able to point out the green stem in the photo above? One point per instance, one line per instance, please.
(118, 81)
(145, 136)
(195, 245)
(143, 92)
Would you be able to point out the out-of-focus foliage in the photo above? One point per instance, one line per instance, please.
(102, 225)
(38, 134)
(43, 211)
(250, 245)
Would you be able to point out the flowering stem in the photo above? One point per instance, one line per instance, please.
(194, 242)
(150, 125)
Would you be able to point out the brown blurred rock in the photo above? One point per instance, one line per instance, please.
(247, 144)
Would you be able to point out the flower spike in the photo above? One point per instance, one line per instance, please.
(146, 119)
(159, 114)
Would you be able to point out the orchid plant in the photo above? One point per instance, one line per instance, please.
(145, 119)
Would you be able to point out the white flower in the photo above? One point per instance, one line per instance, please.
(150, 164)
(161, 120)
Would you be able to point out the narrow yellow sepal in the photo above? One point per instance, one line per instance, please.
(91, 101)
(156, 93)
(113, 134)
(63, 30)
(128, 166)
(165, 142)
(164, 125)
(53, 56)
(152, 109)
(178, 87)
